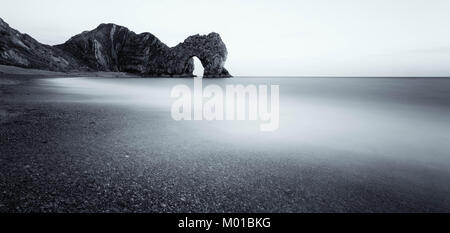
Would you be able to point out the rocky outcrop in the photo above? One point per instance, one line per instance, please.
(110, 47)
(22, 50)
(210, 49)
(115, 48)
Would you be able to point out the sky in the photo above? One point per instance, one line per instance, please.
(269, 38)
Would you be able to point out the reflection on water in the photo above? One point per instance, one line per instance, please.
(393, 117)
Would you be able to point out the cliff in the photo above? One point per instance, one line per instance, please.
(115, 48)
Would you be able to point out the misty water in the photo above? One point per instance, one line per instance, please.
(386, 134)
(398, 116)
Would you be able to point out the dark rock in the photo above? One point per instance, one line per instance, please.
(114, 48)
(210, 49)
(22, 50)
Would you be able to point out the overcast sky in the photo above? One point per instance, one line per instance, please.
(278, 37)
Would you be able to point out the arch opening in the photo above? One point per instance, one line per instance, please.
(198, 67)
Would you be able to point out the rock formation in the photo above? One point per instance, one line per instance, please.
(210, 49)
(110, 47)
(22, 50)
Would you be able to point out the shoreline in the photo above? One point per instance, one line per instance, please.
(65, 151)
(19, 72)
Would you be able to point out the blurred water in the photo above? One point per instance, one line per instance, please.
(406, 119)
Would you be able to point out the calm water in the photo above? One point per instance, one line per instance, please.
(343, 144)
(400, 117)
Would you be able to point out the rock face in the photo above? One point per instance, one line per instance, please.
(21, 50)
(110, 47)
(210, 49)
